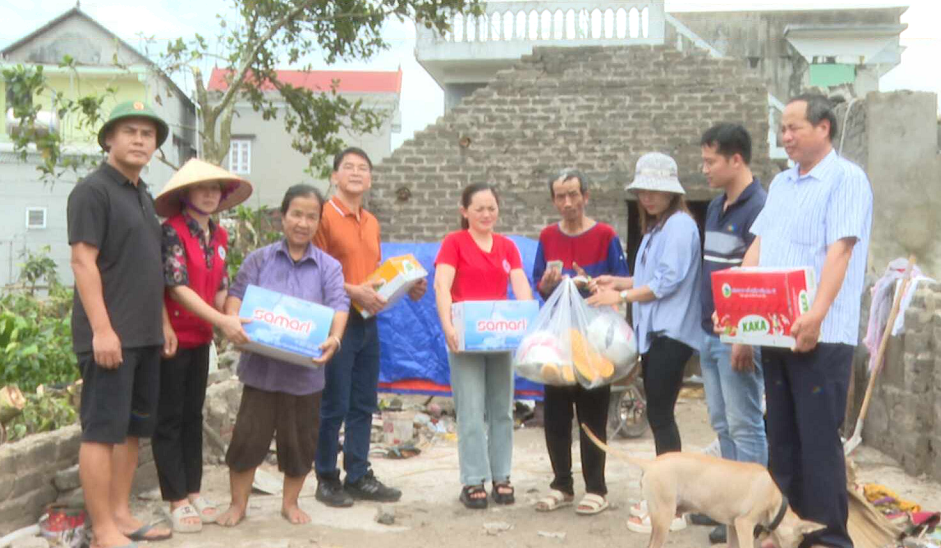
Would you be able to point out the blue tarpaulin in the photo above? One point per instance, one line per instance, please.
(414, 356)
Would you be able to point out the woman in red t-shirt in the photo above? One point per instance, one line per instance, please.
(475, 264)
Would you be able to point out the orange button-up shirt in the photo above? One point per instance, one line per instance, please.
(354, 242)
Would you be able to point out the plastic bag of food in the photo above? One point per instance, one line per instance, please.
(571, 342)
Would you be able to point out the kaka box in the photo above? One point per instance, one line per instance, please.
(283, 327)
(492, 326)
(398, 275)
(758, 306)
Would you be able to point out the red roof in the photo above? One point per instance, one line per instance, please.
(350, 81)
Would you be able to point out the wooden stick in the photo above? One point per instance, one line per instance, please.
(854, 441)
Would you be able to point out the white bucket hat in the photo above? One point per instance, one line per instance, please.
(656, 171)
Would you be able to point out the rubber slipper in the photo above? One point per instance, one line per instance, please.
(201, 505)
(642, 524)
(141, 534)
(639, 509)
(180, 514)
(591, 504)
(553, 501)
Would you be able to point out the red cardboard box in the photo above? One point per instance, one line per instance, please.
(758, 306)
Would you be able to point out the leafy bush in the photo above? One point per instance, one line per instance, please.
(36, 332)
(248, 230)
(44, 412)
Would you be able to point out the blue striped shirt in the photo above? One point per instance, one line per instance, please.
(804, 215)
(669, 263)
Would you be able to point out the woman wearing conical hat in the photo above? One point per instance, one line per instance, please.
(194, 253)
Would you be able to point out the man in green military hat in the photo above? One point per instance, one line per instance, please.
(119, 327)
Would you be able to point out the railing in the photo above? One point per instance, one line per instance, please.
(521, 21)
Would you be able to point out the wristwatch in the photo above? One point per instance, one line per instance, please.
(623, 295)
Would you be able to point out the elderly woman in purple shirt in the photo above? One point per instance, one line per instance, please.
(278, 396)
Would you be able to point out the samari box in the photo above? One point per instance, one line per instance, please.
(758, 306)
(398, 275)
(284, 327)
(492, 326)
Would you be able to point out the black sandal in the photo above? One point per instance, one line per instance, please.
(505, 497)
(471, 497)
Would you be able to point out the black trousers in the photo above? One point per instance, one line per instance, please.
(806, 395)
(592, 409)
(662, 367)
(178, 439)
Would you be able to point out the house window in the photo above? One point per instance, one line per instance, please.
(240, 156)
(35, 218)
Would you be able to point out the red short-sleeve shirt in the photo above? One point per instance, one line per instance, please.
(479, 276)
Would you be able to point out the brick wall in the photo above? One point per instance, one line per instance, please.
(594, 108)
(904, 419)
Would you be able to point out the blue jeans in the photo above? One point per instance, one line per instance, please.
(482, 386)
(734, 401)
(349, 395)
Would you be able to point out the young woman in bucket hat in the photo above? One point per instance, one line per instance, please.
(194, 252)
(664, 295)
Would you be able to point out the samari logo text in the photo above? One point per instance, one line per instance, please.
(501, 326)
(282, 321)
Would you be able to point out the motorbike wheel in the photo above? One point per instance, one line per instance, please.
(627, 414)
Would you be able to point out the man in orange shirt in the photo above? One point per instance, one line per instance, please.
(350, 234)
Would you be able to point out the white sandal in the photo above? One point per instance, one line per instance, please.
(591, 504)
(639, 509)
(640, 524)
(181, 513)
(201, 505)
(553, 501)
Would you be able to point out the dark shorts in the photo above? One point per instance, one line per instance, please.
(294, 422)
(120, 403)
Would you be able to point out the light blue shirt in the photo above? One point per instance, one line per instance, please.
(669, 263)
(804, 215)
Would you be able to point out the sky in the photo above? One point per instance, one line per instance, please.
(422, 101)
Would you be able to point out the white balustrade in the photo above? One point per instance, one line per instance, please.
(521, 21)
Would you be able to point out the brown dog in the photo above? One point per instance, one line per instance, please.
(738, 494)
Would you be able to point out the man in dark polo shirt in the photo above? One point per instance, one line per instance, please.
(119, 328)
(733, 382)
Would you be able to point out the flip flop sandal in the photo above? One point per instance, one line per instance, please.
(141, 534)
(178, 516)
(639, 509)
(591, 504)
(201, 505)
(470, 501)
(553, 501)
(503, 498)
(642, 524)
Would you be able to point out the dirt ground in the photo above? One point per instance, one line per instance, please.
(429, 513)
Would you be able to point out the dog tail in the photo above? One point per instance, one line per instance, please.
(642, 464)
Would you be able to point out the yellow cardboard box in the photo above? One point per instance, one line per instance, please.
(398, 275)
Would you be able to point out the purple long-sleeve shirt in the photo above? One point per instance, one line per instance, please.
(316, 277)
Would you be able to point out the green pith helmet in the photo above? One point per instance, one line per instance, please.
(133, 109)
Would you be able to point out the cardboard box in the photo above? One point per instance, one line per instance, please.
(758, 306)
(492, 326)
(399, 275)
(284, 327)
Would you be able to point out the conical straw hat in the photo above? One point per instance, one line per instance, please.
(169, 201)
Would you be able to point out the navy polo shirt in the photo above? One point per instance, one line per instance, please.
(728, 235)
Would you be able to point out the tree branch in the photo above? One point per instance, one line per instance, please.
(163, 158)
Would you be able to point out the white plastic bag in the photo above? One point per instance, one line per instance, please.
(571, 342)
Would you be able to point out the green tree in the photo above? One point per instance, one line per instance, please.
(267, 34)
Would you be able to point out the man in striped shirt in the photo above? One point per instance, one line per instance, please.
(818, 214)
(734, 388)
